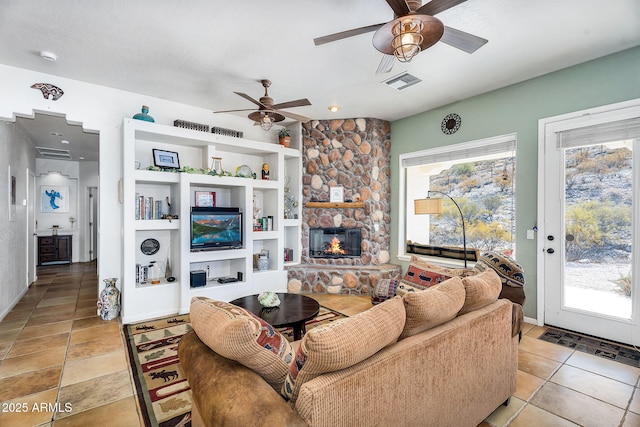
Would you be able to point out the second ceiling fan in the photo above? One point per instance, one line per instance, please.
(268, 111)
(413, 29)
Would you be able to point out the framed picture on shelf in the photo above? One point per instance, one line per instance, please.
(166, 159)
(205, 199)
(336, 195)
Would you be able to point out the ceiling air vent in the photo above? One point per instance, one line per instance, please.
(402, 81)
(54, 153)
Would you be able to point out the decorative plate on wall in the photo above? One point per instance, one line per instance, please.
(451, 123)
(150, 247)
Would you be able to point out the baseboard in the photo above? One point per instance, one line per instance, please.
(13, 303)
(531, 320)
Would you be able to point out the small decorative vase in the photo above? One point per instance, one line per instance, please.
(285, 141)
(109, 300)
(263, 263)
(144, 116)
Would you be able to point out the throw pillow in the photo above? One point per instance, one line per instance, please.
(385, 289)
(432, 307)
(344, 343)
(239, 335)
(421, 275)
(480, 290)
(510, 272)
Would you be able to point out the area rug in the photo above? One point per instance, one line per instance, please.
(592, 345)
(161, 386)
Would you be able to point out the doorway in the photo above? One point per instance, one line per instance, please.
(67, 149)
(92, 217)
(589, 212)
(32, 239)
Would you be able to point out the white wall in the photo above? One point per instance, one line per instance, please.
(102, 109)
(17, 153)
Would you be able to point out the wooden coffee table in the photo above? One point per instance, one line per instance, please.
(294, 310)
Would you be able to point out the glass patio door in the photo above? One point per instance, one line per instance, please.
(590, 227)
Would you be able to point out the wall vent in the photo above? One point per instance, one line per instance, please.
(402, 81)
(54, 153)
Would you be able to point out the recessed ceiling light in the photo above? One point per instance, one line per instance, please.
(80, 158)
(64, 141)
(56, 134)
(48, 56)
(333, 108)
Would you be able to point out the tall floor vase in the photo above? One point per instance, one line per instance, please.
(109, 300)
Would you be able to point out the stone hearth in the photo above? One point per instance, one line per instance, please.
(354, 154)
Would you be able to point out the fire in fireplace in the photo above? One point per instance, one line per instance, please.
(334, 242)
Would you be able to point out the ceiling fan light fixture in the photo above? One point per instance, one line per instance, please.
(266, 122)
(407, 38)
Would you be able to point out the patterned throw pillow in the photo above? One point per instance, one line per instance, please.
(385, 289)
(239, 335)
(421, 275)
(432, 307)
(480, 290)
(344, 343)
(510, 272)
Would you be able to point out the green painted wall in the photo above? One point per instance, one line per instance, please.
(517, 109)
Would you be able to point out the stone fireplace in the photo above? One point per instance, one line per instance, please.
(353, 154)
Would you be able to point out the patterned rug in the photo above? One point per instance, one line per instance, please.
(161, 386)
(592, 345)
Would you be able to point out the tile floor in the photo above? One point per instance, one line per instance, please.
(61, 365)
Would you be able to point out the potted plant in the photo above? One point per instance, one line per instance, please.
(284, 137)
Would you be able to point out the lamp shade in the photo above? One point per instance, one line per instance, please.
(427, 206)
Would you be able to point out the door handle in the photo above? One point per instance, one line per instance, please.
(550, 251)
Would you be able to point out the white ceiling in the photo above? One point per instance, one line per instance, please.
(199, 52)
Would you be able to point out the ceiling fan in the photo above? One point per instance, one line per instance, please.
(413, 29)
(268, 112)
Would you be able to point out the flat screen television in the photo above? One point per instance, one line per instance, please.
(216, 228)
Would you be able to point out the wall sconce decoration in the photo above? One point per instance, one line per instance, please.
(49, 90)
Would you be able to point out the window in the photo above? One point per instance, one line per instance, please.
(480, 177)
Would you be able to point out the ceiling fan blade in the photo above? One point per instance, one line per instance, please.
(345, 34)
(399, 7)
(291, 104)
(461, 40)
(436, 6)
(234, 111)
(248, 98)
(386, 64)
(293, 116)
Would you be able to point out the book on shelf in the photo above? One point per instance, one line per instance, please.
(147, 208)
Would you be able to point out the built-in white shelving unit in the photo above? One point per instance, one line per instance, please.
(175, 194)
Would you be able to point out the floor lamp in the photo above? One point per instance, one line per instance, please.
(431, 206)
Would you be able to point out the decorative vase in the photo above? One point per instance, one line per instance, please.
(144, 116)
(109, 300)
(285, 141)
(263, 263)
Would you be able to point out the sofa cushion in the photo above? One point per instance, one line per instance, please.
(344, 343)
(480, 290)
(385, 289)
(510, 272)
(433, 306)
(239, 335)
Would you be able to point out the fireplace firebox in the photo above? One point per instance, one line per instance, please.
(334, 242)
